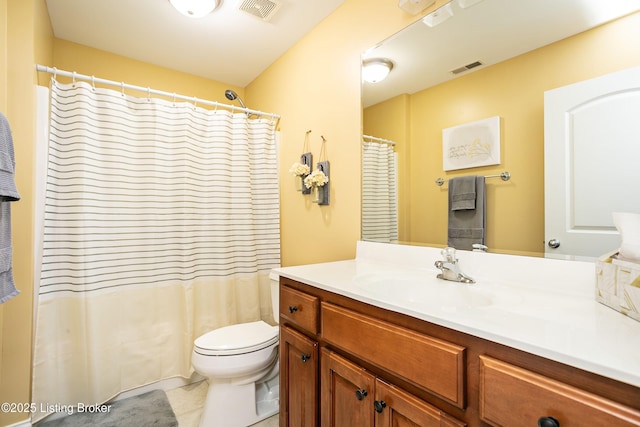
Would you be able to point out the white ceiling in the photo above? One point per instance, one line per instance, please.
(229, 45)
(490, 31)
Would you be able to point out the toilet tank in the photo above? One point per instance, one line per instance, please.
(274, 281)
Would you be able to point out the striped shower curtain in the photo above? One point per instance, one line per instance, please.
(161, 223)
(379, 193)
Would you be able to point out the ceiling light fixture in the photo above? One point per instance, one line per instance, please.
(194, 8)
(438, 16)
(375, 70)
(467, 3)
(414, 7)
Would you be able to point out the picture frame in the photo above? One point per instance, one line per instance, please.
(471, 144)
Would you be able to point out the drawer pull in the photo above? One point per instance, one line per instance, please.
(305, 357)
(379, 406)
(361, 394)
(548, 422)
(293, 309)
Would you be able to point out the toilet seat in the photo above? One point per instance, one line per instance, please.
(237, 339)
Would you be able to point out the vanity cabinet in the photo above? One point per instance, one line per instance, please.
(371, 367)
(299, 364)
(352, 396)
(513, 396)
(299, 361)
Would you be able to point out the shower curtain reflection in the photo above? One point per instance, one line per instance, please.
(379, 191)
(161, 223)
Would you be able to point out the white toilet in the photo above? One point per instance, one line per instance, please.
(241, 364)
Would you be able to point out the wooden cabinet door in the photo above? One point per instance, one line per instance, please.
(298, 379)
(511, 396)
(395, 407)
(347, 392)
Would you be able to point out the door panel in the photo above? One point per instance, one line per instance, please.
(347, 392)
(592, 147)
(298, 379)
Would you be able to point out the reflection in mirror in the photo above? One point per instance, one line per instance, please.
(379, 190)
(523, 49)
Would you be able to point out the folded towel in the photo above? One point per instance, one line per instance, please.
(462, 193)
(467, 226)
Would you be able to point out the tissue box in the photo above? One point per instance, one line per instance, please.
(618, 284)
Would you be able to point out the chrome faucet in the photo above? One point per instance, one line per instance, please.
(450, 267)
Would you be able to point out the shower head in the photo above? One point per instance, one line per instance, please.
(232, 96)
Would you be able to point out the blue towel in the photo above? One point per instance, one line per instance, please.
(8, 193)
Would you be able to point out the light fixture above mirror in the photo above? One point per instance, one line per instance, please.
(438, 16)
(413, 7)
(194, 8)
(375, 70)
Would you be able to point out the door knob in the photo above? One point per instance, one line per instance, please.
(554, 243)
(548, 422)
(360, 394)
(379, 406)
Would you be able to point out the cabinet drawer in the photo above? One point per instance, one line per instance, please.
(511, 396)
(430, 363)
(299, 308)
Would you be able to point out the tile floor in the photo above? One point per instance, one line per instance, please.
(187, 403)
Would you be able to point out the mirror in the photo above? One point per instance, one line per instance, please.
(488, 58)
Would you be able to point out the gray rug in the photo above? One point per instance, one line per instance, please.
(148, 409)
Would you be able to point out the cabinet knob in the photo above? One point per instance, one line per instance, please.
(293, 309)
(379, 406)
(360, 394)
(548, 422)
(305, 357)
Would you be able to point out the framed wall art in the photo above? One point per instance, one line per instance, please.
(471, 145)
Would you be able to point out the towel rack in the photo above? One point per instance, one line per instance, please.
(505, 176)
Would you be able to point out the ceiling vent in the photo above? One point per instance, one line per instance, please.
(261, 9)
(466, 67)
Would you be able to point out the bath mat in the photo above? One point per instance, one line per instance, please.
(148, 409)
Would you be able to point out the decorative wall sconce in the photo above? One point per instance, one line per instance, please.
(323, 191)
(314, 182)
(323, 166)
(302, 169)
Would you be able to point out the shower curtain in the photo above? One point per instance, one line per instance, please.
(161, 223)
(379, 192)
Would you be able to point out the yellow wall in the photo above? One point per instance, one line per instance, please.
(514, 91)
(392, 118)
(25, 38)
(316, 86)
(93, 62)
(313, 86)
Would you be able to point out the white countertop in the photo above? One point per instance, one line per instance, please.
(542, 306)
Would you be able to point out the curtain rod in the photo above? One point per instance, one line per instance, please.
(93, 80)
(375, 139)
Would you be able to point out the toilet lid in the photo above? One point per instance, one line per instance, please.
(237, 339)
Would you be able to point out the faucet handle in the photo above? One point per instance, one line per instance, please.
(449, 254)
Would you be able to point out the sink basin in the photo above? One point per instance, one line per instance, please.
(427, 292)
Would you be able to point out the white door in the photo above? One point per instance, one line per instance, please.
(592, 162)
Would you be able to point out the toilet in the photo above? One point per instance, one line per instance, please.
(241, 364)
